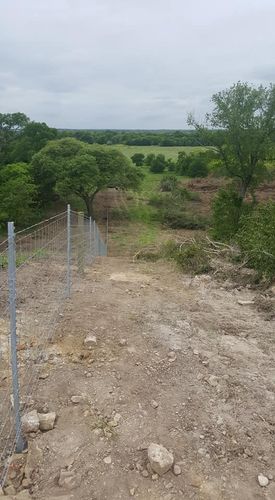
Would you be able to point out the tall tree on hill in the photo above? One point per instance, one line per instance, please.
(11, 125)
(71, 167)
(241, 128)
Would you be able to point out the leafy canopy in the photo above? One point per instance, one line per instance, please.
(69, 166)
(241, 127)
(17, 194)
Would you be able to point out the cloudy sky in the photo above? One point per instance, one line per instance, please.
(129, 63)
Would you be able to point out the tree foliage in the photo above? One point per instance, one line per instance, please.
(241, 128)
(256, 238)
(138, 159)
(158, 164)
(69, 166)
(17, 194)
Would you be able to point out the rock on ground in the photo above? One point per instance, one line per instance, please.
(161, 460)
(46, 421)
(30, 422)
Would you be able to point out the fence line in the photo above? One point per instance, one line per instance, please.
(38, 266)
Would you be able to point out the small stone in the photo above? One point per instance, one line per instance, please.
(160, 458)
(46, 421)
(132, 492)
(26, 483)
(122, 342)
(117, 418)
(90, 341)
(177, 470)
(98, 431)
(76, 399)
(68, 480)
(107, 460)
(262, 480)
(155, 477)
(213, 381)
(154, 404)
(196, 352)
(10, 490)
(246, 302)
(43, 376)
(30, 422)
(145, 473)
(168, 486)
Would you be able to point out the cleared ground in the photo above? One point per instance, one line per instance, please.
(205, 360)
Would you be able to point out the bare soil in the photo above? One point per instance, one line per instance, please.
(192, 349)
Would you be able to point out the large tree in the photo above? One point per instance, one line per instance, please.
(241, 128)
(11, 125)
(69, 166)
(33, 137)
(17, 194)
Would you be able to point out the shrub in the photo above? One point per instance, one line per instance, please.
(149, 158)
(256, 238)
(158, 164)
(138, 159)
(227, 209)
(198, 167)
(168, 183)
(191, 256)
(176, 218)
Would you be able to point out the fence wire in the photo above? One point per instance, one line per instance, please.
(46, 256)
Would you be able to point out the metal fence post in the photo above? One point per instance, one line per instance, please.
(95, 244)
(91, 237)
(19, 440)
(107, 234)
(81, 249)
(69, 250)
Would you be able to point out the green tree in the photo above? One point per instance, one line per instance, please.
(11, 125)
(69, 166)
(17, 194)
(149, 158)
(183, 163)
(47, 165)
(197, 166)
(158, 164)
(241, 128)
(138, 159)
(33, 138)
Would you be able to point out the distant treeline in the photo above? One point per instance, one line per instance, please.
(137, 137)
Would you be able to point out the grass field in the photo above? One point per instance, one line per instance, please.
(167, 151)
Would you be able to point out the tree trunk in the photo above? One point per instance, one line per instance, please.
(89, 205)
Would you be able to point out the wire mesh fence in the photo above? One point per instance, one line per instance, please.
(37, 270)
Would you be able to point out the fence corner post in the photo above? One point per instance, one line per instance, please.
(19, 440)
(68, 251)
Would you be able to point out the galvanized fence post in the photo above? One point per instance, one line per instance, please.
(69, 243)
(95, 244)
(107, 234)
(19, 441)
(91, 237)
(81, 248)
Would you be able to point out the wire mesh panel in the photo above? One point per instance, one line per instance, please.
(31, 298)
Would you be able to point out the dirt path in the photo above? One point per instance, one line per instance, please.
(197, 374)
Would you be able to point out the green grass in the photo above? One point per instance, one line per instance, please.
(167, 151)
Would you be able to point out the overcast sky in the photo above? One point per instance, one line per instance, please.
(129, 63)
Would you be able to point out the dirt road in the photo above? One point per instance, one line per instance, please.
(178, 362)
